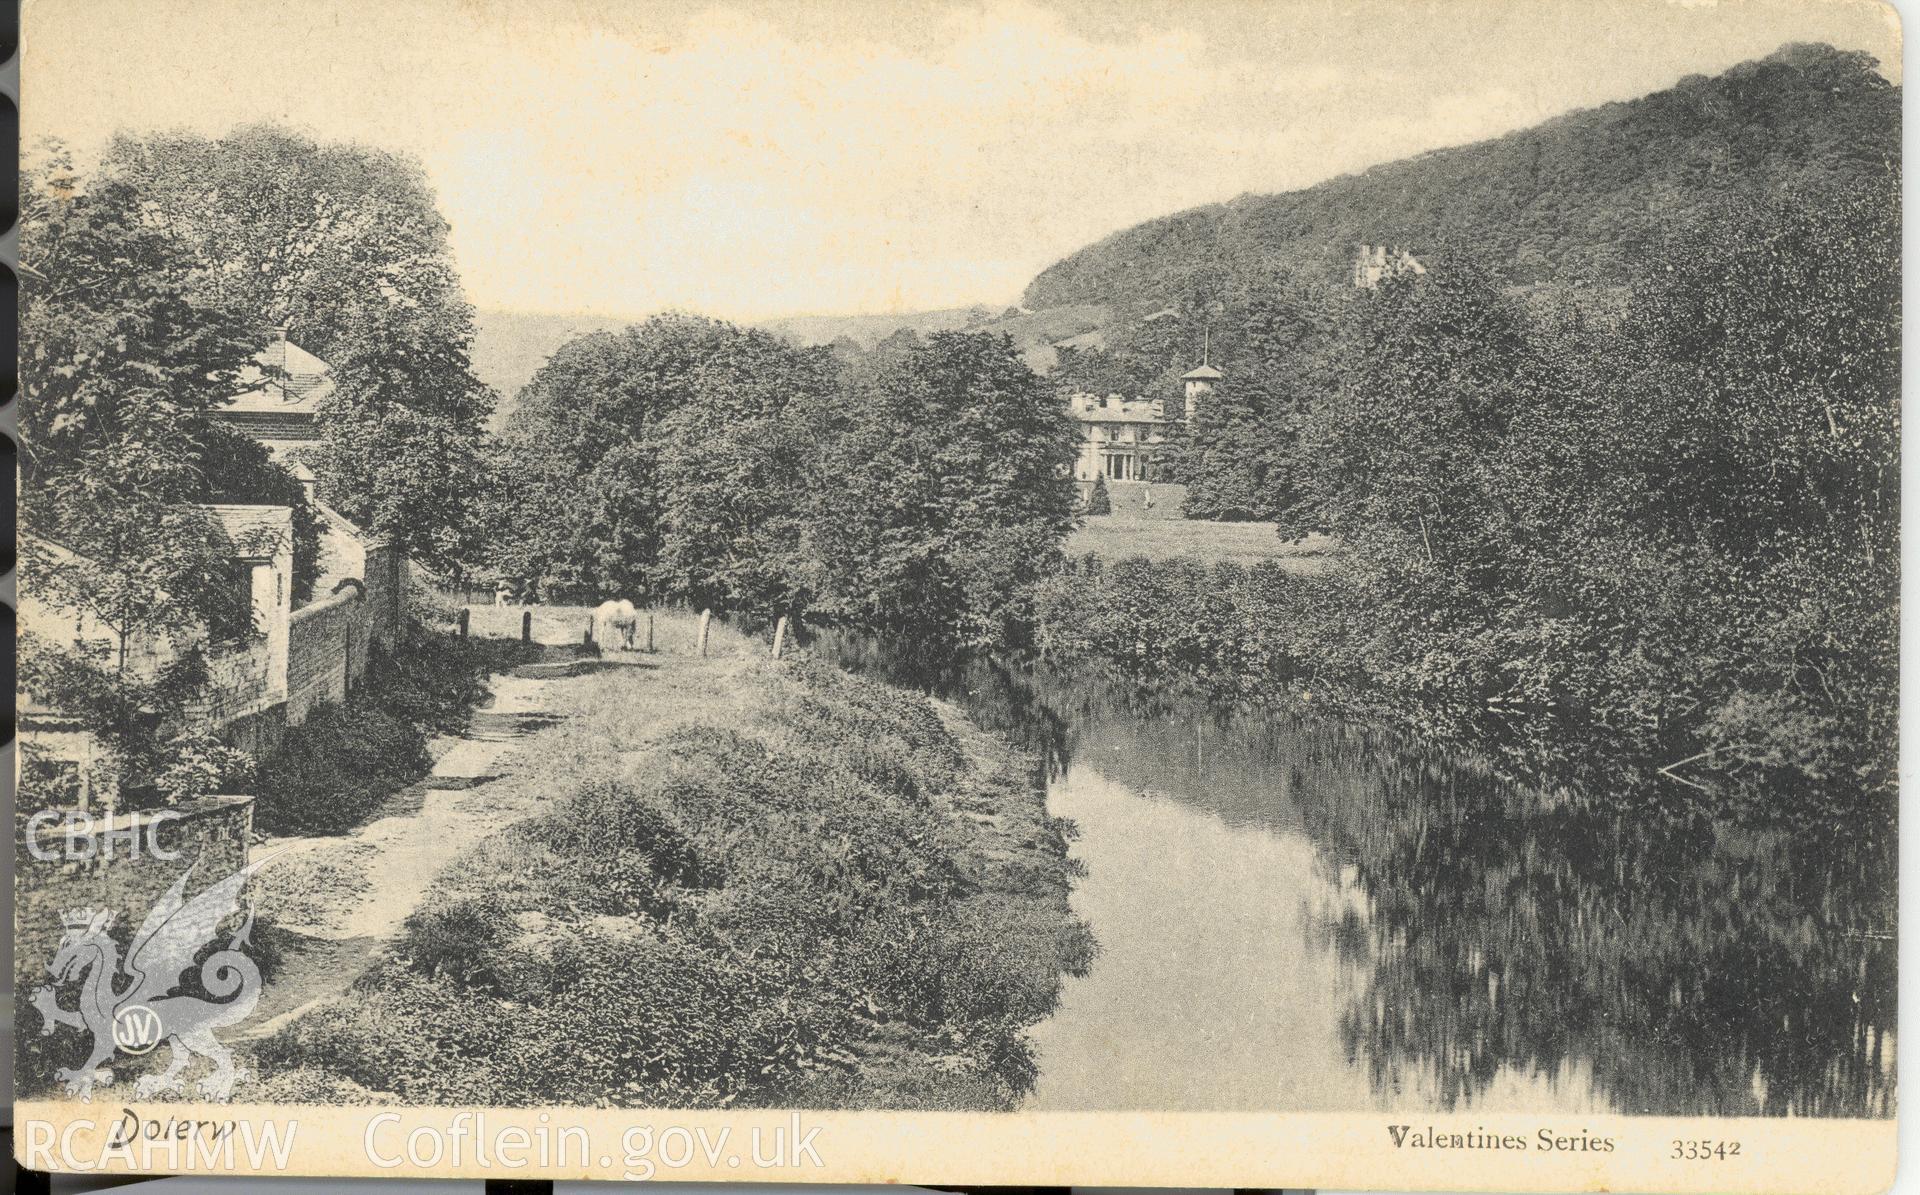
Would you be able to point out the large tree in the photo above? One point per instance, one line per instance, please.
(344, 246)
(948, 493)
(1760, 397)
(119, 367)
(672, 458)
(1670, 531)
(739, 461)
(575, 504)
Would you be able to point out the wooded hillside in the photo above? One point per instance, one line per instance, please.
(1579, 199)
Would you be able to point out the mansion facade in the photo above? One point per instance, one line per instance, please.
(1123, 439)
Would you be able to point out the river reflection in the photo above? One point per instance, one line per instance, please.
(1300, 916)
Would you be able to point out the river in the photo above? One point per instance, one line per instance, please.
(1296, 915)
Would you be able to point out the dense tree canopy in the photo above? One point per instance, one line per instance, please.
(672, 457)
(689, 459)
(948, 492)
(1658, 534)
(1680, 523)
(344, 246)
(119, 369)
(332, 240)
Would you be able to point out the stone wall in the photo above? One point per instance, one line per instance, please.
(210, 836)
(259, 735)
(348, 553)
(327, 650)
(241, 682)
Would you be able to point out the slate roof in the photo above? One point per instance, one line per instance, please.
(285, 423)
(284, 379)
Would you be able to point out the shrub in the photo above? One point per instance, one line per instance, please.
(331, 771)
(334, 769)
(1099, 502)
(203, 765)
(435, 680)
(453, 935)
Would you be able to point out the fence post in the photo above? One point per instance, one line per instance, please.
(779, 636)
(649, 632)
(705, 617)
(526, 626)
(464, 615)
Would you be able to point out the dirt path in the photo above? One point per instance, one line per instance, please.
(339, 898)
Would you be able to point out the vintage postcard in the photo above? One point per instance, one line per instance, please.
(1104, 592)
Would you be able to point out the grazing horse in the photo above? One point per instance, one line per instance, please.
(614, 624)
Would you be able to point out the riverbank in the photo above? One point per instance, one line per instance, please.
(1547, 701)
(1388, 925)
(743, 882)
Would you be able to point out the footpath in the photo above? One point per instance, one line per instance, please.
(337, 899)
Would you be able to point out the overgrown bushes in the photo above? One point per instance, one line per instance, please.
(832, 900)
(332, 770)
(1577, 700)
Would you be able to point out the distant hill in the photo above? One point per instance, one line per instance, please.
(869, 330)
(1035, 332)
(1585, 198)
(509, 347)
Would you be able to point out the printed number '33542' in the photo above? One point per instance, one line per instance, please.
(1705, 1151)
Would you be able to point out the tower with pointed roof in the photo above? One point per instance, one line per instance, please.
(1201, 382)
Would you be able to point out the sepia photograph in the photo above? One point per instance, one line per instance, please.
(1253, 593)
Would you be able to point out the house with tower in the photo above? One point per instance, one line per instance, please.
(1123, 440)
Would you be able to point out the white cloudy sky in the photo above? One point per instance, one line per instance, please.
(757, 159)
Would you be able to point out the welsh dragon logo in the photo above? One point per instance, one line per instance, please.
(130, 1006)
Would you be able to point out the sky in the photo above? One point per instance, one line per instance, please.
(751, 160)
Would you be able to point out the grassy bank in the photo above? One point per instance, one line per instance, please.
(751, 883)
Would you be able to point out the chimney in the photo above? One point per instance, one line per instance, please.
(273, 359)
(276, 354)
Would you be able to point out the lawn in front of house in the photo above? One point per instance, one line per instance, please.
(1117, 537)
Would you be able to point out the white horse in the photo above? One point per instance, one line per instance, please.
(615, 623)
